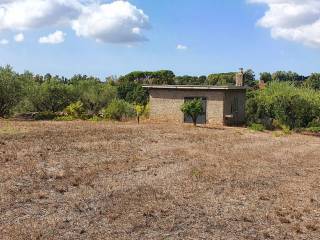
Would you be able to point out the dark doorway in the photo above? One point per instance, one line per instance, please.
(202, 119)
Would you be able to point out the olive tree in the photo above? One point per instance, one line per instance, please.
(10, 90)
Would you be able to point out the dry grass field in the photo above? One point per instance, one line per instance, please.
(86, 180)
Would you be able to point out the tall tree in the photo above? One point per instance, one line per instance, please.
(10, 90)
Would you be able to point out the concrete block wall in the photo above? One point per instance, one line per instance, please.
(166, 103)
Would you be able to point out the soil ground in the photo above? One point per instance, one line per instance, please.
(87, 180)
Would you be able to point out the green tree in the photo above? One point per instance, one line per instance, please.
(221, 79)
(94, 94)
(313, 81)
(265, 77)
(132, 92)
(193, 108)
(52, 96)
(249, 78)
(10, 90)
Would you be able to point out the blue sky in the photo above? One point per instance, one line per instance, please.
(215, 36)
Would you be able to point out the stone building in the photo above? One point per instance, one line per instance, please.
(223, 105)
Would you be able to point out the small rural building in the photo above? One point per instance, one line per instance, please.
(223, 105)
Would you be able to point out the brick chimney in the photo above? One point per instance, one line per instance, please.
(239, 78)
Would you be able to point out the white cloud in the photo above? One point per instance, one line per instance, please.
(181, 47)
(115, 22)
(294, 20)
(53, 38)
(19, 37)
(4, 41)
(30, 14)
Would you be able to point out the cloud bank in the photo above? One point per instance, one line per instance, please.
(114, 22)
(294, 20)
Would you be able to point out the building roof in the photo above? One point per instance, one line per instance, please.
(193, 87)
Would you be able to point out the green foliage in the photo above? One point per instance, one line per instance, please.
(266, 77)
(94, 94)
(10, 90)
(313, 129)
(290, 106)
(95, 119)
(315, 123)
(193, 108)
(283, 76)
(139, 109)
(52, 95)
(221, 79)
(75, 110)
(118, 110)
(249, 78)
(158, 77)
(132, 92)
(257, 127)
(146, 112)
(45, 116)
(313, 81)
(190, 80)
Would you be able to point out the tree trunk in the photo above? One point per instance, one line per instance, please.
(194, 120)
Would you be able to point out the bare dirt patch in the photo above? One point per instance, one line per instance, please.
(84, 180)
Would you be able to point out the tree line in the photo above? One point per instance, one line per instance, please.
(118, 97)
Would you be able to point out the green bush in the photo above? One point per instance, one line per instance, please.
(315, 123)
(95, 119)
(313, 129)
(291, 106)
(75, 110)
(45, 116)
(257, 127)
(118, 110)
(146, 112)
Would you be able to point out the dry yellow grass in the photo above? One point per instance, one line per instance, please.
(85, 180)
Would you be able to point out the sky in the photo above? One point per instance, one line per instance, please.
(189, 37)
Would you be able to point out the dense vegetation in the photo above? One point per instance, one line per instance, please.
(288, 99)
(282, 105)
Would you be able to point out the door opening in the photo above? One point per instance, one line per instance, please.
(202, 118)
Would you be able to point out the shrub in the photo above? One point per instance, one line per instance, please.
(315, 123)
(314, 129)
(139, 111)
(146, 112)
(257, 127)
(291, 106)
(75, 110)
(118, 110)
(45, 116)
(95, 119)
